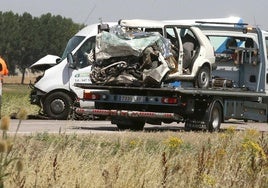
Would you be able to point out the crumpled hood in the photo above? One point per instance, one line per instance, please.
(45, 62)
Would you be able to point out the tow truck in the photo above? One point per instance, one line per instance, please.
(237, 90)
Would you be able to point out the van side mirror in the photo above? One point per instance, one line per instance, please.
(70, 60)
(58, 60)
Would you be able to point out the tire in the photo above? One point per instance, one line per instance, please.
(129, 124)
(203, 77)
(215, 118)
(58, 105)
(187, 126)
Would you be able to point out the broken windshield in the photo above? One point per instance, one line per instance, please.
(71, 45)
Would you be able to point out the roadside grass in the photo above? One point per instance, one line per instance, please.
(139, 159)
(14, 97)
(127, 159)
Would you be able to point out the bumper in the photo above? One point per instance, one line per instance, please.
(127, 113)
(36, 96)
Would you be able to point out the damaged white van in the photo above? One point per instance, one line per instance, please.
(54, 91)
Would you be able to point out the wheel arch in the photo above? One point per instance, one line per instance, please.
(204, 119)
(70, 93)
(196, 68)
(206, 64)
(212, 103)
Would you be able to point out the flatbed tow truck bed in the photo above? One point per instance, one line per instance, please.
(198, 108)
(223, 92)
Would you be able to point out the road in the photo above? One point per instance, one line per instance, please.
(69, 126)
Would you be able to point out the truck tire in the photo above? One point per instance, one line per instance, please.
(187, 126)
(129, 124)
(192, 125)
(203, 77)
(215, 117)
(58, 105)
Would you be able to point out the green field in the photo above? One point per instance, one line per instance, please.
(15, 97)
(128, 159)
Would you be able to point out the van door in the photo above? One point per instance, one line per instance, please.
(171, 33)
(185, 47)
(83, 58)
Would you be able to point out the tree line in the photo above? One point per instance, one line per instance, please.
(24, 39)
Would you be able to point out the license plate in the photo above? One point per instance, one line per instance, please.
(127, 98)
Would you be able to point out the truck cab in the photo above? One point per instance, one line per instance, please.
(54, 91)
(241, 56)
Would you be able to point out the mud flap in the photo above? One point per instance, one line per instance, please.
(210, 120)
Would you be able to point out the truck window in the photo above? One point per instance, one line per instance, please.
(221, 43)
(85, 54)
(225, 46)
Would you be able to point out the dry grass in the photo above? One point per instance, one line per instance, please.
(131, 159)
(16, 96)
(138, 159)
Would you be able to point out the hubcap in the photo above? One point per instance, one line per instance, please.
(57, 106)
(204, 78)
(215, 118)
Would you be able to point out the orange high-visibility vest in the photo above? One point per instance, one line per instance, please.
(3, 64)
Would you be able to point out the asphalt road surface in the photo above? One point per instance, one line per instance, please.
(85, 127)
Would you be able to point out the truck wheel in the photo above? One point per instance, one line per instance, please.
(203, 77)
(58, 105)
(191, 125)
(133, 125)
(187, 126)
(215, 118)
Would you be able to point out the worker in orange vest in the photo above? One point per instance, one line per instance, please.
(3, 72)
(3, 67)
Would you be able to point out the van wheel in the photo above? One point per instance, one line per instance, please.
(215, 118)
(58, 105)
(203, 77)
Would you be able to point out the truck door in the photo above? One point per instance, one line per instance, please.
(83, 58)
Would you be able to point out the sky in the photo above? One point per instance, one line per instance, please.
(91, 11)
